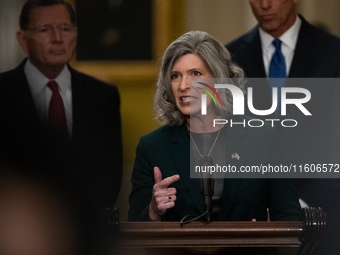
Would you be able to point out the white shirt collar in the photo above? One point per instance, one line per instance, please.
(288, 38)
(37, 81)
(64, 79)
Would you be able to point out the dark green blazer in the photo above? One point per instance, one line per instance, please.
(241, 200)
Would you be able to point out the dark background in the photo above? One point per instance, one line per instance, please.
(114, 29)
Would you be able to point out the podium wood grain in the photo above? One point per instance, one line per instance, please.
(210, 235)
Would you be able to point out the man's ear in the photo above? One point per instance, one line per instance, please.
(76, 32)
(21, 37)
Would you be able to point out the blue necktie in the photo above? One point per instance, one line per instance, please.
(277, 69)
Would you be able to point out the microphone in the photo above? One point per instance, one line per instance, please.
(207, 185)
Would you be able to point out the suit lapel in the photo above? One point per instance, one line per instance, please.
(253, 55)
(80, 107)
(24, 98)
(304, 51)
(255, 69)
(237, 142)
(303, 55)
(181, 156)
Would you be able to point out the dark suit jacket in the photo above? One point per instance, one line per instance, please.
(316, 54)
(90, 164)
(315, 139)
(242, 199)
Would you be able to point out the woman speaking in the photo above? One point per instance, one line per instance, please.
(162, 187)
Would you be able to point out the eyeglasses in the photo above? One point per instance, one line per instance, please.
(47, 30)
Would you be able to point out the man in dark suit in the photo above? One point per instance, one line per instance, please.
(308, 52)
(313, 51)
(63, 124)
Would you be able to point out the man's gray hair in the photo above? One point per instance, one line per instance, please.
(216, 59)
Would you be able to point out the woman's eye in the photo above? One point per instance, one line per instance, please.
(174, 76)
(197, 73)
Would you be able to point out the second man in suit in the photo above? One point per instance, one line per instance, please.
(63, 124)
(307, 52)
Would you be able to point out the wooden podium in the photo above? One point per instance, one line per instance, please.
(280, 238)
(294, 237)
(208, 238)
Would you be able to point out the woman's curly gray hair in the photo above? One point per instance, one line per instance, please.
(217, 60)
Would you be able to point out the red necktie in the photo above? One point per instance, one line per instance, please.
(57, 116)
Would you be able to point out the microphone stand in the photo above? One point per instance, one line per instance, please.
(207, 186)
